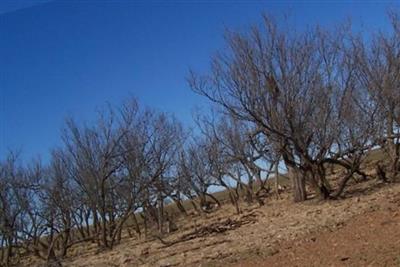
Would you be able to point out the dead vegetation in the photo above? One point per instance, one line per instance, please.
(213, 228)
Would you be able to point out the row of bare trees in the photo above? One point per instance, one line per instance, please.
(307, 101)
(317, 98)
(119, 172)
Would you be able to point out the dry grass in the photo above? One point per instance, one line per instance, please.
(223, 237)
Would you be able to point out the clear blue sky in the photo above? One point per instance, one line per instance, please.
(66, 58)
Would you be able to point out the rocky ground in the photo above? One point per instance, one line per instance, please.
(362, 229)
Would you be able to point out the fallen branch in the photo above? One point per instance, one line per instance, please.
(214, 228)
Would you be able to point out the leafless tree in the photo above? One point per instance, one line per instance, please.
(11, 210)
(57, 203)
(196, 172)
(291, 87)
(96, 158)
(150, 152)
(246, 155)
(379, 72)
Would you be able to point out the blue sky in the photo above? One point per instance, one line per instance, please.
(67, 58)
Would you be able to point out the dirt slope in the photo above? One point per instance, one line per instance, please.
(363, 229)
(369, 239)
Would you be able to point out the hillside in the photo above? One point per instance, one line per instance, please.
(362, 228)
(200, 135)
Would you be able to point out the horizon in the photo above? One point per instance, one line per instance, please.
(67, 58)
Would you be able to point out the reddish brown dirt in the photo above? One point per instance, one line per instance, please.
(370, 239)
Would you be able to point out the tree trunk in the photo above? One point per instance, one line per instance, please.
(104, 230)
(178, 202)
(137, 227)
(9, 252)
(299, 185)
(234, 201)
(2, 251)
(193, 202)
(393, 147)
(324, 188)
(323, 192)
(145, 221)
(87, 223)
(250, 190)
(277, 180)
(160, 214)
(65, 242)
(214, 199)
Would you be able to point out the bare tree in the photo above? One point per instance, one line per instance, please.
(10, 175)
(196, 173)
(379, 68)
(290, 86)
(246, 155)
(96, 162)
(149, 152)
